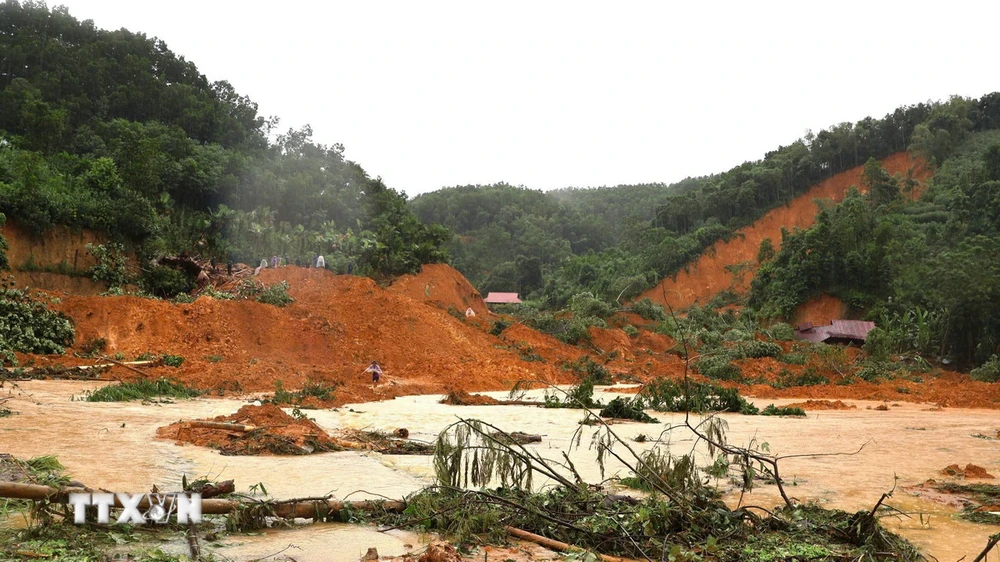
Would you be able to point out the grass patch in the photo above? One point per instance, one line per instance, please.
(172, 360)
(142, 390)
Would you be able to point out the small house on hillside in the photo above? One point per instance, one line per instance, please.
(501, 298)
(839, 331)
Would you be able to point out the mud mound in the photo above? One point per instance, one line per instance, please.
(442, 286)
(820, 310)
(335, 327)
(548, 347)
(970, 471)
(707, 276)
(273, 432)
(822, 405)
(463, 398)
(611, 341)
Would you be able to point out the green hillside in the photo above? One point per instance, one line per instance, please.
(112, 131)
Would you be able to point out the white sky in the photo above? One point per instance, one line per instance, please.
(554, 94)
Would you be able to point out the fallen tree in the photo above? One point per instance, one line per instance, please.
(299, 508)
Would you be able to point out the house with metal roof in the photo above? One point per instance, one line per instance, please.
(839, 331)
(501, 298)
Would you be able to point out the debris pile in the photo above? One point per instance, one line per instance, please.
(268, 430)
(253, 430)
(970, 471)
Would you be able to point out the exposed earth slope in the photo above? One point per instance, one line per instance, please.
(708, 275)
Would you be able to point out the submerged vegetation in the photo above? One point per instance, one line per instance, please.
(488, 486)
(142, 390)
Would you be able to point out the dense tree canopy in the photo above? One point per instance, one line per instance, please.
(616, 242)
(110, 130)
(935, 258)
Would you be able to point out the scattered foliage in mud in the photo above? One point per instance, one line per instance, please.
(620, 408)
(142, 390)
(772, 410)
(485, 488)
(172, 360)
(317, 389)
(665, 395)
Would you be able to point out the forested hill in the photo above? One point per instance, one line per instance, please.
(616, 242)
(110, 130)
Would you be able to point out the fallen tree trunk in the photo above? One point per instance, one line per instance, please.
(304, 508)
(211, 490)
(67, 371)
(557, 545)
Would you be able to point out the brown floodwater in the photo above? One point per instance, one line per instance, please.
(112, 446)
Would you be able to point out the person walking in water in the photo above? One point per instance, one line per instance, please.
(376, 372)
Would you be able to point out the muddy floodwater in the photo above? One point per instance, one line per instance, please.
(112, 446)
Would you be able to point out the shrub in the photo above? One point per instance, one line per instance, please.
(780, 331)
(172, 360)
(28, 326)
(210, 291)
(165, 282)
(772, 410)
(756, 349)
(877, 345)
(719, 367)
(737, 335)
(872, 371)
(580, 396)
(630, 330)
(587, 369)
(988, 371)
(111, 266)
(808, 377)
(628, 410)
(649, 310)
(665, 395)
(498, 327)
(277, 295)
(793, 358)
(586, 304)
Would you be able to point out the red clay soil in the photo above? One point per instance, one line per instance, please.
(553, 350)
(272, 421)
(336, 326)
(707, 276)
(944, 389)
(611, 341)
(970, 471)
(462, 398)
(822, 405)
(820, 310)
(57, 247)
(442, 286)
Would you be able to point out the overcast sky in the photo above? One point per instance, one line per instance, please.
(555, 94)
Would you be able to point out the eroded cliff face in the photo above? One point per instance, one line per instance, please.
(54, 261)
